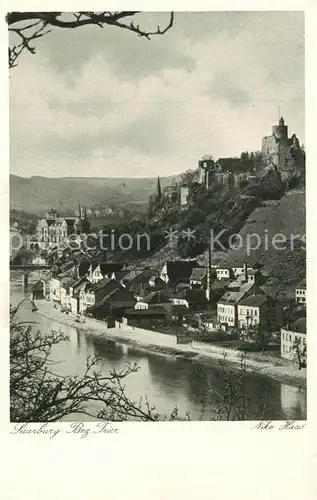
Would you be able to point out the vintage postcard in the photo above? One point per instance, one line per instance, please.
(157, 224)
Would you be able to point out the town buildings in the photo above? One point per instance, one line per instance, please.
(300, 293)
(177, 271)
(260, 311)
(293, 338)
(53, 230)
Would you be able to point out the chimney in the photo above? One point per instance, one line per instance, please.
(76, 271)
(246, 272)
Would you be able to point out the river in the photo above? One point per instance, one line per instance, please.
(166, 381)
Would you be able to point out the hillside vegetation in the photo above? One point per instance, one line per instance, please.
(265, 209)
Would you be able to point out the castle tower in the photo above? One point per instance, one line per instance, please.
(281, 130)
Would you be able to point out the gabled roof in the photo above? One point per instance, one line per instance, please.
(233, 297)
(105, 286)
(222, 265)
(84, 267)
(156, 297)
(119, 275)
(68, 265)
(254, 300)
(180, 269)
(221, 284)
(198, 274)
(142, 276)
(79, 283)
(110, 294)
(66, 281)
(102, 283)
(299, 326)
(229, 163)
(192, 296)
(110, 267)
(301, 285)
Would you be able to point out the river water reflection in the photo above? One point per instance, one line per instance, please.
(167, 381)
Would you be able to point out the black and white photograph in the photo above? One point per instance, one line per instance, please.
(157, 217)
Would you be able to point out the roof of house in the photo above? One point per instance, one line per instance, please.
(253, 300)
(301, 285)
(198, 274)
(253, 271)
(103, 283)
(229, 163)
(299, 326)
(66, 281)
(220, 284)
(142, 276)
(222, 265)
(84, 267)
(182, 286)
(109, 267)
(66, 266)
(110, 294)
(180, 269)
(80, 283)
(192, 296)
(156, 297)
(233, 297)
(119, 275)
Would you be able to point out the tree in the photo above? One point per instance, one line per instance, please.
(37, 394)
(300, 354)
(159, 190)
(259, 335)
(189, 177)
(233, 402)
(26, 27)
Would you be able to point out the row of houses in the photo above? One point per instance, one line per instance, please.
(234, 298)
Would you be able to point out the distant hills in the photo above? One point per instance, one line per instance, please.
(37, 194)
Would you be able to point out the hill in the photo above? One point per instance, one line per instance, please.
(280, 219)
(270, 231)
(37, 194)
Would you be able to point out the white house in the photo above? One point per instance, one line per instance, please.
(291, 336)
(55, 289)
(198, 277)
(155, 299)
(300, 293)
(224, 272)
(259, 309)
(94, 273)
(227, 307)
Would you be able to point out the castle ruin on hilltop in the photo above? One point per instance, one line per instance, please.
(279, 153)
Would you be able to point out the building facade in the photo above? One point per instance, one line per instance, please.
(293, 339)
(53, 230)
(300, 293)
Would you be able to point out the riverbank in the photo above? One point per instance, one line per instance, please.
(165, 345)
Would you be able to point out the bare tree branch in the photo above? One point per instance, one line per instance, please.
(29, 26)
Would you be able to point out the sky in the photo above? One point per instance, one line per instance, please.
(105, 103)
